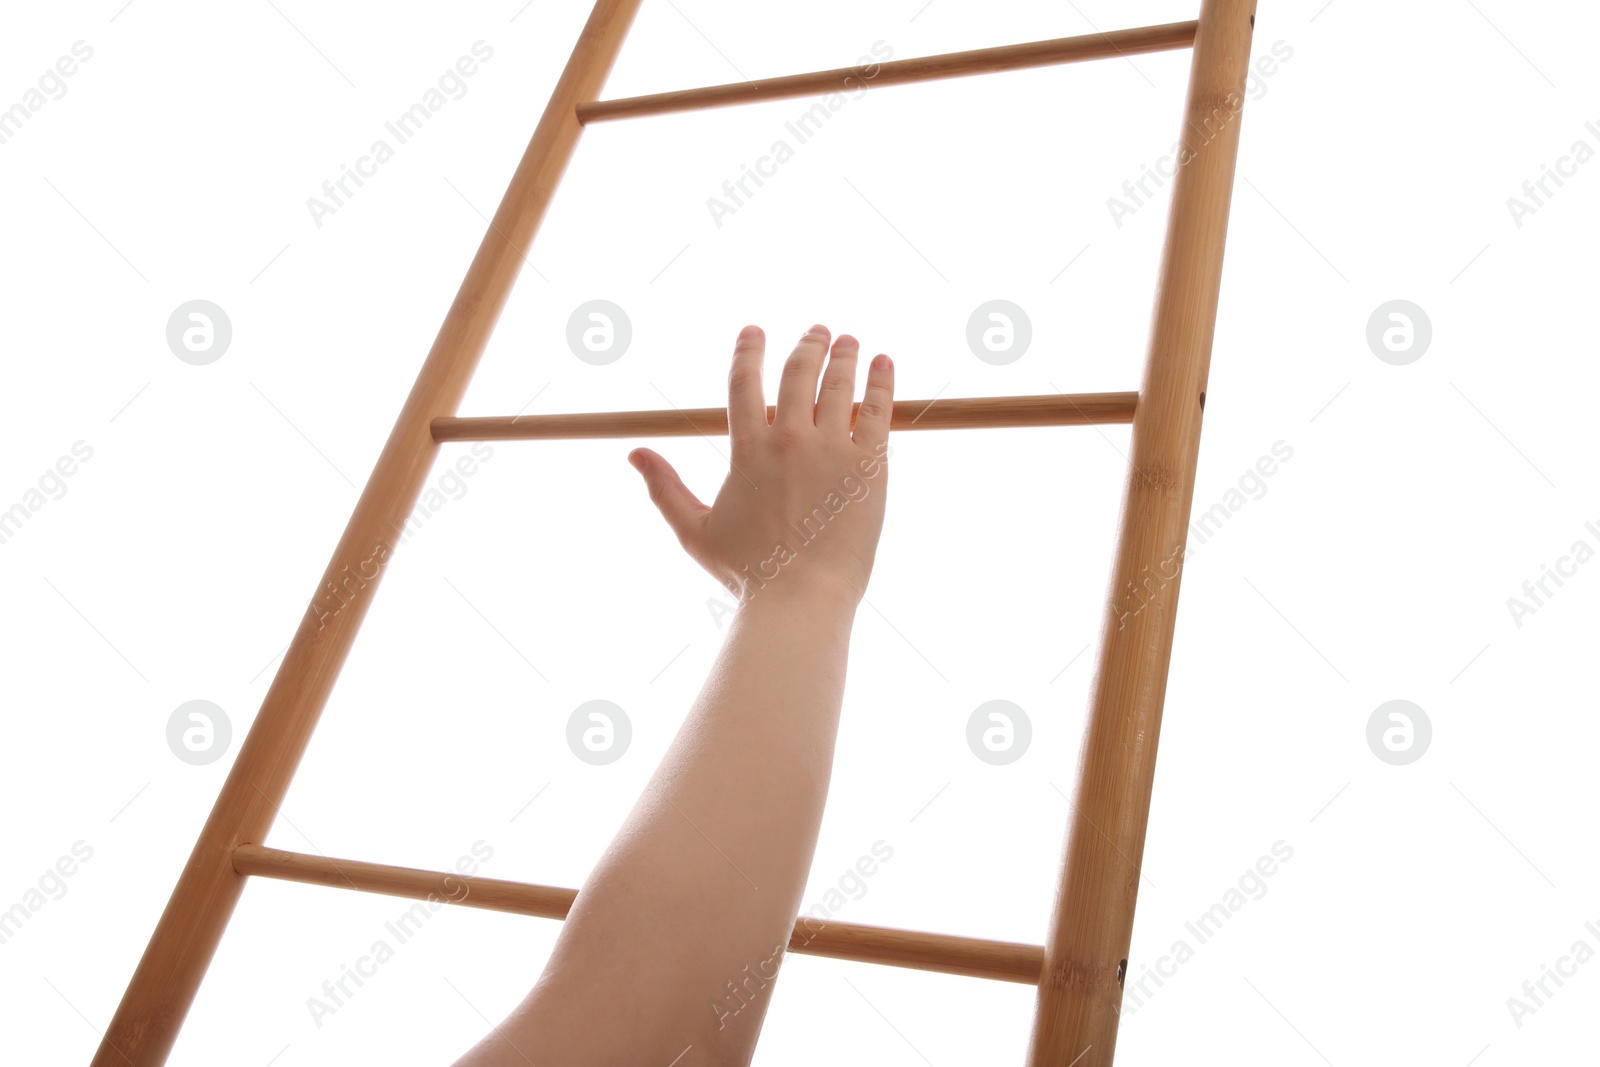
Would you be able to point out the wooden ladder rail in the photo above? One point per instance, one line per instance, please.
(146, 1023)
(1091, 925)
(1079, 987)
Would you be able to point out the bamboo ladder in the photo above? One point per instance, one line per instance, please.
(1079, 970)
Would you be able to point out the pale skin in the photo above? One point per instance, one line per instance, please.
(693, 903)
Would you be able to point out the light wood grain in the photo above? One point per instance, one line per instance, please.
(959, 413)
(900, 72)
(1092, 920)
(1078, 968)
(971, 957)
(146, 1023)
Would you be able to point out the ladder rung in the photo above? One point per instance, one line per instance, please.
(900, 71)
(971, 957)
(962, 413)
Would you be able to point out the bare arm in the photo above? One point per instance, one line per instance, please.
(675, 939)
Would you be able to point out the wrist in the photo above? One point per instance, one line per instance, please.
(820, 591)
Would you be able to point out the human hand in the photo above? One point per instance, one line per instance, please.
(802, 507)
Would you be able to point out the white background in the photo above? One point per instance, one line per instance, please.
(1376, 164)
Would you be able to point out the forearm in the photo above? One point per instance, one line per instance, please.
(671, 949)
(698, 893)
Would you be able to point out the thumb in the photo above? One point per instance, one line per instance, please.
(682, 509)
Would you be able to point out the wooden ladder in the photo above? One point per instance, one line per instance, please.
(1079, 970)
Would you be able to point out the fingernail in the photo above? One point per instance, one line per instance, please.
(636, 460)
(882, 362)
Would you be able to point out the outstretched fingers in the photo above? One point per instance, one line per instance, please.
(747, 401)
(797, 391)
(838, 386)
(877, 405)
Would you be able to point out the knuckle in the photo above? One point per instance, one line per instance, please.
(799, 363)
(873, 407)
(786, 438)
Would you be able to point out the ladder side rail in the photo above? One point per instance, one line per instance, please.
(163, 986)
(1080, 990)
